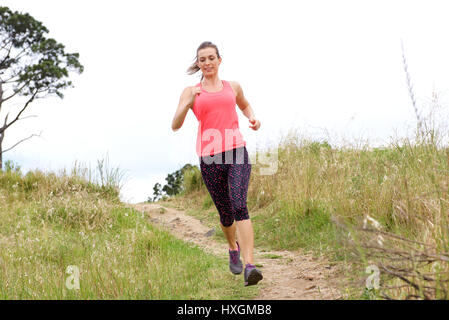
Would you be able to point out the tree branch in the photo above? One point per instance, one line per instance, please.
(6, 43)
(414, 285)
(33, 135)
(4, 125)
(20, 89)
(2, 134)
(21, 111)
(13, 75)
(9, 51)
(30, 116)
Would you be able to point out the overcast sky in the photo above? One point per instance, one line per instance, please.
(326, 68)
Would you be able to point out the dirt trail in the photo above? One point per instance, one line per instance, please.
(287, 275)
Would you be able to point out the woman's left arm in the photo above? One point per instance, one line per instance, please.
(245, 107)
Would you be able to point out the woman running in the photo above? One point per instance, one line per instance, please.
(224, 161)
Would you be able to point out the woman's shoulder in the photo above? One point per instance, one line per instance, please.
(187, 89)
(234, 85)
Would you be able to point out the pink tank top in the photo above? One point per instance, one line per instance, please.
(218, 124)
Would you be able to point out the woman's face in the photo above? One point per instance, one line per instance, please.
(208, 61)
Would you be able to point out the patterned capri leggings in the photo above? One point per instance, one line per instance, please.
(226, 176)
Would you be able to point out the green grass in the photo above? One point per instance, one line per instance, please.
(49, 222)
(403, 186)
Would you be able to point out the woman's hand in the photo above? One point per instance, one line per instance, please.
(185, 103)
(194, 91)
(255, 124)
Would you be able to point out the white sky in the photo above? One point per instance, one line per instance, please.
(318, 66)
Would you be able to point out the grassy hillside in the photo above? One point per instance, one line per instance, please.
(50, 221)
(384, 207)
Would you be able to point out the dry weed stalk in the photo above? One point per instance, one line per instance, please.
(411, 269)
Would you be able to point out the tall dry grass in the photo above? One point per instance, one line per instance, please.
(323, 197)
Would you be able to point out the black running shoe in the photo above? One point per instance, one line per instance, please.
(252, 275)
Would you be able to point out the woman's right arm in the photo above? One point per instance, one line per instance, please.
(185, 103)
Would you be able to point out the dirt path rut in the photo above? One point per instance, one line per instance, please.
(287, 275)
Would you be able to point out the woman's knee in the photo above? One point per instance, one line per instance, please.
(226, 221)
